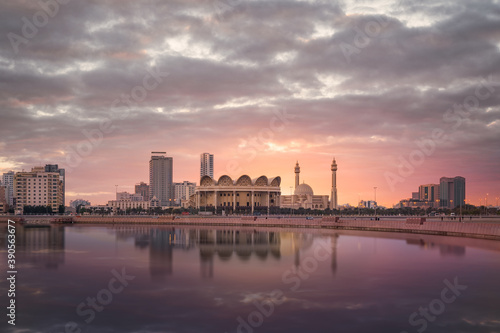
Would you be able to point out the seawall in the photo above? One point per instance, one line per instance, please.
(480, 230)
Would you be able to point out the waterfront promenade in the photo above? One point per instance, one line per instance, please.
(483, 228)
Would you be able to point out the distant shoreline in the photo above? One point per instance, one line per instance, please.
(485, 228)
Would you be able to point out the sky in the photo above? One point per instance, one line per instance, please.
(400, 92)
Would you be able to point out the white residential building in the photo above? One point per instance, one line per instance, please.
(184, 190)
(207, 165)
(38, 188)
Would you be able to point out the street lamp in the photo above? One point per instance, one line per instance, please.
(375, 188)
(291, 195)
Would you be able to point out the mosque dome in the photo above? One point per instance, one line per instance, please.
(303, 189)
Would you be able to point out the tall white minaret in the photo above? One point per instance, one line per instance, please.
(297, 172)
(333, 198)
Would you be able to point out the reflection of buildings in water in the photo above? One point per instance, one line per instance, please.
(452, 250)
(333, 241)
(41, 246)
(160, 252)
(141, 241)
(444, 250)
(419, 242)
(161, 242)
(206, 242)
(140, 234)
(294, 243)
(225, 243)
(291, 242)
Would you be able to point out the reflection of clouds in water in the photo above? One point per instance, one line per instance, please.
(219, 301)
(494, 323)
(260, 297)
(304, 303)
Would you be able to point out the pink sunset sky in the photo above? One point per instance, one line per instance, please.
(400, 92)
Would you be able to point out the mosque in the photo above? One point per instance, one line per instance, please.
(304, 197)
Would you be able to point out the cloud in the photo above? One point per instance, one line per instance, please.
(231, 67)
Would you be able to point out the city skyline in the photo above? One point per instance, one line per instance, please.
(424, 191)
(401, 93)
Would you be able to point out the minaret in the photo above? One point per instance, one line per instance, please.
(333, 198)
(297, 172)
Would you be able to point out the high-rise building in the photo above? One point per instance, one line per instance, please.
(4, 196)
(184, 190)
(62, 174)
(38, 188)
(160, 178)
(429, 192)
(206, 165)
(452, 192)
(8, 180)
(142, 189)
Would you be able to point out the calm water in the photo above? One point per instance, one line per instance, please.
(152, 279)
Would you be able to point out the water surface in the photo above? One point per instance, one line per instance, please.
(159, 279)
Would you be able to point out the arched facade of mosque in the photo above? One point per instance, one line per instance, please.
(229, 194)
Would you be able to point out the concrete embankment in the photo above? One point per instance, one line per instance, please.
(479, 230)
(415, 226)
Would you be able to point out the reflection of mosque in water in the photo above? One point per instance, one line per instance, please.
(221, 245)
(297, 243)
(40, 246)
(444, 249)
(243, 244)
